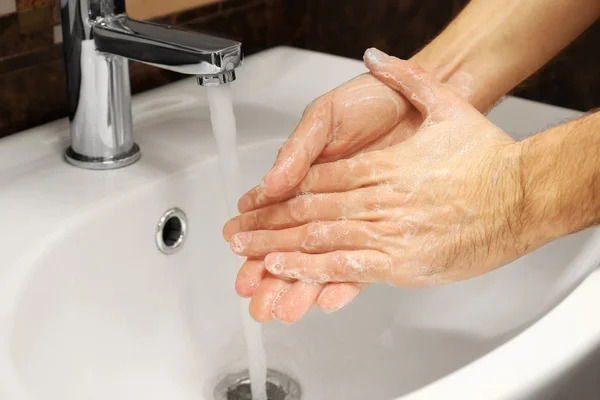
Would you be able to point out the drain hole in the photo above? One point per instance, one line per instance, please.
(237, 387)
(172, 232)
(243, 392)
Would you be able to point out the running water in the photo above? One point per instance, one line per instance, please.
(223, 125)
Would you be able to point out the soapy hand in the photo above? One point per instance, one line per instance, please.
(361, 115)
(439, 207)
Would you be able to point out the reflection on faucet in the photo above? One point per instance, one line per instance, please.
(98, 40)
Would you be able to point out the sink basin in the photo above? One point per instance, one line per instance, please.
(91, 309)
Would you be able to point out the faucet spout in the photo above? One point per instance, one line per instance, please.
(98, 40)
(167, 47)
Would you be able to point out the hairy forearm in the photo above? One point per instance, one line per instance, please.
(492, 46)
(560, 179)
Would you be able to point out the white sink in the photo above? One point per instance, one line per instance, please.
(91, 309)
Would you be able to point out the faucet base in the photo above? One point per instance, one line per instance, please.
(103, 163)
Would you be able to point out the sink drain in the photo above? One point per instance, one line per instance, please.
(237, 387)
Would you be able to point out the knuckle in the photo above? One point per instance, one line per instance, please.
(253, 221)
(354, 170)
(374, 202)
(314, 106)
(309, 107)
(280, 152)
(258, 197)
(298, 208)
(315, 236)
(315, 229)
(309, 181)
(331, 172)
(338, 264)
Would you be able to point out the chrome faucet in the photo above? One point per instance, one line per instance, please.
(98, 40)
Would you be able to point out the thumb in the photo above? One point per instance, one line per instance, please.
(427, 94)
(295, 157)
(299, 152)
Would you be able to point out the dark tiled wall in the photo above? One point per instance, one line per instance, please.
(402, 27)
(32, 88)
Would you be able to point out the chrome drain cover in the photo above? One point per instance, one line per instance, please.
(237, 387)
(171, 231)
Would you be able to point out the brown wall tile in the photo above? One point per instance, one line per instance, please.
(572, 79)
(26, 60)
(36, 19)
(23, 5)
(291, 22)
(56, 12)
(145, 9)
(400, 27)
(193, 14)
(13, 41)
(32, 96)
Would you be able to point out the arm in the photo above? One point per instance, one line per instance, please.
(492, 46)
(560, 179)
(486, 51)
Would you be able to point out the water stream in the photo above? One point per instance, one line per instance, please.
(224, 130)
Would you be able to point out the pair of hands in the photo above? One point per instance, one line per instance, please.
(391, 177)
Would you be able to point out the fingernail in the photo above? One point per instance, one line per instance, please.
(274, 263)
(241, 241)
(375, 56)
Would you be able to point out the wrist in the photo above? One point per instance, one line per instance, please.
(452, 69)
(560, 180)
(538, 218)
(504, 193)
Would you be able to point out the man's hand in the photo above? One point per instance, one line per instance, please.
(441, 206)
(361, 115)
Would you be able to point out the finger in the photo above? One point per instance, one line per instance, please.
(266, 296)
(301, 149)
(363, 266)
(336, 296)
(251, 273)
(337, 176)
(427, 94)
(293, 212)
(364, 204)
(315, 237)
(297, 301)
